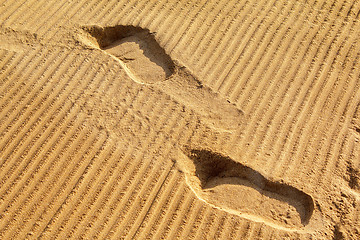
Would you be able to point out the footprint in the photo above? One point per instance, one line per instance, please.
(238, 189)
(136, 49)
(146, 62)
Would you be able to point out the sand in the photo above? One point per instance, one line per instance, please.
(175, 119)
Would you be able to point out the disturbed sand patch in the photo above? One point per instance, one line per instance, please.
(18, 41)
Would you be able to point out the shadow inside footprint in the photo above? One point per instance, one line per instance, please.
(239, 189)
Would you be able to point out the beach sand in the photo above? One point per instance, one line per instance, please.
(174, 119)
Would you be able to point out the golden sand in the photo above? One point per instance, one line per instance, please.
(179, 119)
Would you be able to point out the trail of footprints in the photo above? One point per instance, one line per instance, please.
(216, 179)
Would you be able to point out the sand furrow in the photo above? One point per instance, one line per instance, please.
(12, 88)
(72, 176)
(88, 191)
(128, 192)
(9, 11)
(156, 212)
(149, 13)
(126, 224)
(172, 23)
(118, 10)
(290, 121)
(186, 24)
(127, 228)
(221, 45)
(196, 32)
(311, 109)
(17, 206)
(139, 216)
(181, 219)
(273, 111)
(112, 10)
(114, 192)
(22, 116)
(207, 223)
(26, 14)
(255, 51)
(276, 43)
(166, 226)
(242, 34)
(279, 118)
(301, 92)
(35, 198)
(335, 132)
(76, 109)
(39, 136)
(7, 59)
(208, 43)
(160, 22)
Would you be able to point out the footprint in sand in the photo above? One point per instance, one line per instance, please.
(239, 189)
(216, 179)
(136, 49)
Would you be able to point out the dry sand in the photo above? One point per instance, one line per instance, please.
(206, 119)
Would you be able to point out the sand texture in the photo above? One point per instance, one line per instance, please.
(174, 119)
